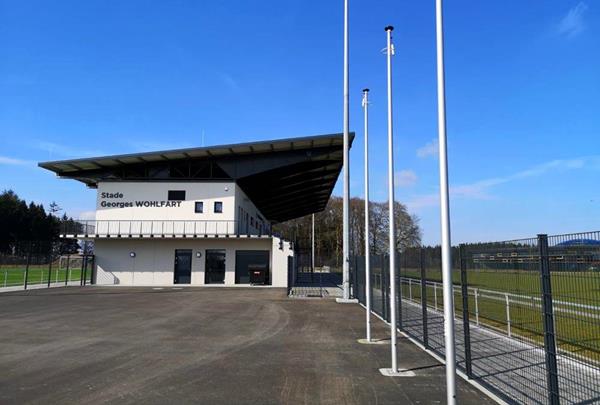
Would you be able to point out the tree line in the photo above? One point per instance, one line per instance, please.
(29, 226)
(328, 230)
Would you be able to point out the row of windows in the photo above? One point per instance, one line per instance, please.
(217, 209)
(179, 195)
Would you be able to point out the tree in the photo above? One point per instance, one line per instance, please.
(21, 223)
(328, 230)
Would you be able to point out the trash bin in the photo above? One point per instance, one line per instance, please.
(258, 274)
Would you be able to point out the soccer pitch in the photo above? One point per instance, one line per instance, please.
(14, 275)
(509, 301)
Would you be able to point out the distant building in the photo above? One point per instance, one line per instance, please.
(201, 215)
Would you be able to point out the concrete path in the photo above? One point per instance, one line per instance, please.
(201, 345)
(515, 369)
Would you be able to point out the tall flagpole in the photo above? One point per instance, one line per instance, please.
(313, 245)
(346, 202)
(445, 216)
(391, 198)
(365, 104)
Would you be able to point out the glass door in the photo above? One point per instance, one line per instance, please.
(215, 267)
(183, 266)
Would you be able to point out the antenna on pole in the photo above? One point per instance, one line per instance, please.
(391, 198)
(365, 104)
(393, 371)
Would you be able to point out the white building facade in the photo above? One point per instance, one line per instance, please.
(201, 216)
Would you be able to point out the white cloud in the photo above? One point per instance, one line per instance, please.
(430, 149)
(480, 190)
(572, 24)
(4, 160)
(229, 81)
(405, 178)
(64, 150)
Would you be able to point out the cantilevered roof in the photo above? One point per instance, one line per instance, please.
(285, 178)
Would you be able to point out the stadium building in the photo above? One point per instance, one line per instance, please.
(201, 215)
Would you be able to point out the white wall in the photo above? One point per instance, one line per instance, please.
(279, 260)
(153, 263)
(126, 201)
(133, 192)
(248, 206)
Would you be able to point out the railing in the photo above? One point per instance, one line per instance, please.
(154, 228)
(527, 312)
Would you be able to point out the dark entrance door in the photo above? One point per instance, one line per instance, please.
(244, 259)
(215, 267)
(183, 266)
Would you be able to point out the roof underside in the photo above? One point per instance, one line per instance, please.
(285, 178)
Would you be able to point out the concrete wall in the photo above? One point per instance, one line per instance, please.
(148, 201)
(279, 260)
(153, 263)
(247, 206)
(135, 192)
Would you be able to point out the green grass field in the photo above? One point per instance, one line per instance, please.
(14, 275)
(577, 328)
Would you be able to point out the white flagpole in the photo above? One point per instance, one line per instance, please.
(445, 216)
(346, 162)
(313, 245)
(365, 104)
(391, 198)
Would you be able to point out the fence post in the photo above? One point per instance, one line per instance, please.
(92, 270)
(27, 266)
(423, 298)
(477, 306)
(465, 310)
(549, 333)
(67, 270)
(50, 267)
(508, 329)
(398, 289)
(384, 289)
(435, 305)
(83, 269)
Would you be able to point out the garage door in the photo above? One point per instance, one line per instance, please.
(246, 258)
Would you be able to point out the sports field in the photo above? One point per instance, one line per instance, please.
(14, 275)
(510, 302)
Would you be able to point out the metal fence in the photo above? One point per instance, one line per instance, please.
(527, 312)
(45, 264)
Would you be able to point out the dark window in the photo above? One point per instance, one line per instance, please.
(218, 207)
(199, 208)
(176, 195)
(252, 221)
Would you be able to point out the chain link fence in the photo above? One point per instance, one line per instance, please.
(527, 312)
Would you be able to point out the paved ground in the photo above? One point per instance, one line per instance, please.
(513, 368)
(201, 345)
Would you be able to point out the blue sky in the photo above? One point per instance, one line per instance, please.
(92, 78)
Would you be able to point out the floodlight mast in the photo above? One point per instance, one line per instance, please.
(445, 216)
(346, 162)
(391, 200)
(365, 104)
